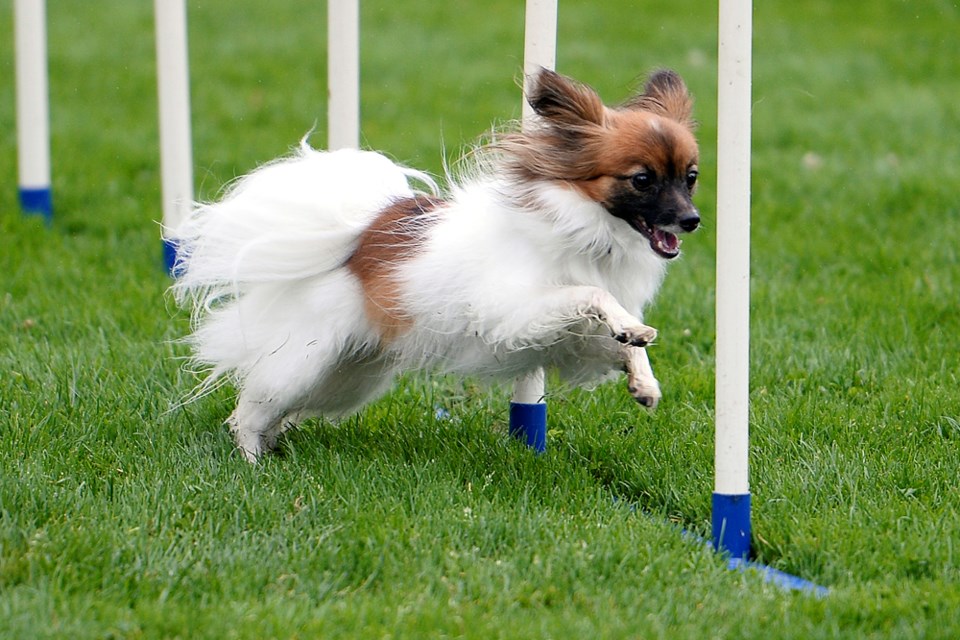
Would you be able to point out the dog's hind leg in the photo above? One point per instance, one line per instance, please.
(273, 403)
(288, 422)
(255, 425)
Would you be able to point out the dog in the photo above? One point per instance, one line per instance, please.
(321, 276)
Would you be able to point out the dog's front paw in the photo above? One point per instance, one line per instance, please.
(645, 390)
(637, 336)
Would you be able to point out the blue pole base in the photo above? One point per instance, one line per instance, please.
(528, 422)
(731, 524)
(170, 256)
(37, 202)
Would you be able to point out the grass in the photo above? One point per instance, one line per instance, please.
(121, 518)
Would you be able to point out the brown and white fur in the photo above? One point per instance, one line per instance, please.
(321, 276)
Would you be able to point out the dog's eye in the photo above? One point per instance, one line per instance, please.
(642, 181)
(692, 176)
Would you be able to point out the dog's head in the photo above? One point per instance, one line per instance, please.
(638, 161)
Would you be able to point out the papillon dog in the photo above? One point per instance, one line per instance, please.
(319, 277)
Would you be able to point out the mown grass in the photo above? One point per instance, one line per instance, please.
(120, 517)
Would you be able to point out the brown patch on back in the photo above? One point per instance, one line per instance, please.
(393, 237)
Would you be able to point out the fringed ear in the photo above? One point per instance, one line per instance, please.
(665, 94)
(562, 100)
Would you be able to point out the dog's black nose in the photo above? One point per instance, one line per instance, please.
(689, 221)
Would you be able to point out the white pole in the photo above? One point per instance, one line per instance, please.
(530, 388)
(540, 41)
(733, 247)
(33, 108)
(528, 409)
(343, 72)
(173, 87)
(733, 252)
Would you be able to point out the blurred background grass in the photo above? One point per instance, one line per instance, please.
(119, 517)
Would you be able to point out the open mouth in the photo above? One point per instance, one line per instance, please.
(664, 244)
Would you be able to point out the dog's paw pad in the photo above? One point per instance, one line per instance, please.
(645, 393)
(650, 402)
(639, 336)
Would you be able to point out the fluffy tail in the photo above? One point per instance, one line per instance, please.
(289, 220)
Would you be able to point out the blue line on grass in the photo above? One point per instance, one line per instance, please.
(528, 424)
(776, 577)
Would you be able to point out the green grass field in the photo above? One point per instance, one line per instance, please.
(122, 518)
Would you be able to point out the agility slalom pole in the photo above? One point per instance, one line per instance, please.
(539, 42)
(528, 407)
(33, 108)
(528, 411)
(343, 74)
(731, 497)
(173, 89)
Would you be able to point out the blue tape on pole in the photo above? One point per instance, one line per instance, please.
(37, 201)
(528, 422)
(731, 524)
(170, 256)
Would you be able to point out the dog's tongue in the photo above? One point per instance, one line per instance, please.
(666, 242)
